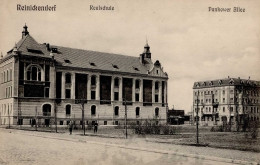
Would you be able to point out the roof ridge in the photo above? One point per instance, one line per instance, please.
(226, 79)
(93, 51)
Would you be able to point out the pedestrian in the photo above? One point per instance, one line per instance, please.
(70, 127)
(95, 127)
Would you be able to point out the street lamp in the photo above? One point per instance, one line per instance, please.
(125, 118)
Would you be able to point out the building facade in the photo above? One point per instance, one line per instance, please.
(43, 82)
(226, 100)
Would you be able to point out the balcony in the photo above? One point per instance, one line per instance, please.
(215, 104)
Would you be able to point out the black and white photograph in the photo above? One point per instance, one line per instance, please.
(118, 82)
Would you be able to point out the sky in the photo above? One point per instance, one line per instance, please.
(191, 43)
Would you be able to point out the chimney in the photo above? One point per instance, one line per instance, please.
(48, 46)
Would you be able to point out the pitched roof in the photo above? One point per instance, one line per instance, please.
(78, 58)
(102, 61)
(225, 82)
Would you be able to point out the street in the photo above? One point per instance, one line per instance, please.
(30, 148)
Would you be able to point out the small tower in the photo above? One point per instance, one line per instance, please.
(147, 53)
(25, 31)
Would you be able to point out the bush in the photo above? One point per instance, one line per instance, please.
(150, 127)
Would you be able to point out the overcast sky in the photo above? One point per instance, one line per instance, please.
(191, 43)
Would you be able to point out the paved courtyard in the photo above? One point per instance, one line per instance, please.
(27, 147)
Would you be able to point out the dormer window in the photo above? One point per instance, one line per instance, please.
(115, 66)
(54, 50)
(67, 61)
(92, 64)
(34, 73)
(136, 69)
(231, 81)
(32, 50)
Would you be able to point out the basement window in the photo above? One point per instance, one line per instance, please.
(115, 66)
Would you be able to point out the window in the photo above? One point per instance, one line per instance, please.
(156, 85)
(137, 84)
(137, 97)
(93, 110)
(223, 109)
(116, 82)
(11, 74)
(223, 92)
(231, 109)
(4, 77)
(68, 109)
(93, 95)
(115, 66)
(67, 61)
(156, 99)
(34, 73)
(93, 80)
(67, 93)
(47, 92)
(137, 111)
(61, 122)
(156, 112)
(92, 64)
(116, 123)
(116, 111)
(116, 97)
(7, 75)
(209, 109)
(105, 122)
(68, 78)
(224, 100)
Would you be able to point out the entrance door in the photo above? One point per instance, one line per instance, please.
(46, 111)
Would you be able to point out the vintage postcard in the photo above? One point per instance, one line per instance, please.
(129, 82)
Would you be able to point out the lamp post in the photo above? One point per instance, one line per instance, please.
(197, 117)
(125, 118)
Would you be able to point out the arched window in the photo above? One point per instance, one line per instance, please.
(68, 109)
(11, 74)
(137, 111)
(93, 110)
(68, 78)
(93, 80)
(157, 112)
(34, 73)
(4, 77)
(7, 75)
(46, 110)
(116, 111)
